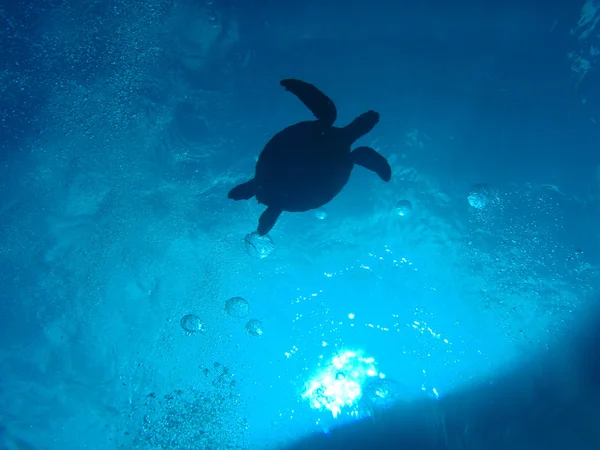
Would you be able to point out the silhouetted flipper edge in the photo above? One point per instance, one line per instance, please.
(370, 159)
(319, 104)
(244, 191)
(267, 220)
(361, 125)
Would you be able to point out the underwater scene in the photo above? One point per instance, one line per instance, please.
(252, 224)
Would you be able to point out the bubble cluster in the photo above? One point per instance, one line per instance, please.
(258, 246)
(237, 307)
(520, 268)
(403, 208)
(191, 323)
(190, 418)
(321, 214)
(254, 327)
(480, 196)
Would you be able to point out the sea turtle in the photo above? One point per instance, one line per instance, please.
(307, 164)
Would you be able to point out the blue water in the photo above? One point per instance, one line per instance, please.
(123, 125)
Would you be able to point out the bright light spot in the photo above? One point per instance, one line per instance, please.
(293, 350)
(423, 329)
(324, 344)
(339, 384)
(350, 316)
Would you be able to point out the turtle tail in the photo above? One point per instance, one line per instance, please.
(361, 125)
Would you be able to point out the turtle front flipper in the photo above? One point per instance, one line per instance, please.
(360, 126)
(319, 104)
(370, 159)
(244, 191)
(267, 220)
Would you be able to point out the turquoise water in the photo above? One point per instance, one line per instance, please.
(125, 124)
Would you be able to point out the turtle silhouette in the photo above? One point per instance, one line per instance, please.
(307, 164)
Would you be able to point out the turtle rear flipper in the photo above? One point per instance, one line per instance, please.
(244, 191)
(267, 220)
(319, 104)
(370, 159)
